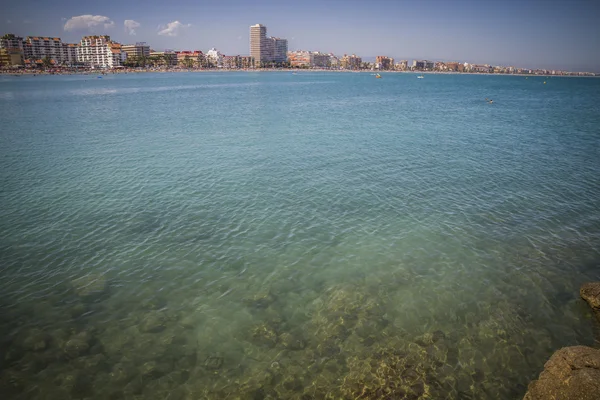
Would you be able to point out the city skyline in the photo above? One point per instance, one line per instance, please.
(532, 34)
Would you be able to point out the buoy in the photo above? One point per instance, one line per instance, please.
(544, 82)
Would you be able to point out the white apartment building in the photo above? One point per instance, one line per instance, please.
(100, 52)
(70, 53)
(39, 47)
(215, 57)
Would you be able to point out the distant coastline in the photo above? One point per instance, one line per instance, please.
(29, 72)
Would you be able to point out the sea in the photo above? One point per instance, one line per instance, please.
(270, 235)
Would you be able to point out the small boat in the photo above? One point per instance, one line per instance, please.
(420, 77)
(377, 76)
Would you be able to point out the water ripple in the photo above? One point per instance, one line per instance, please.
(157, 229)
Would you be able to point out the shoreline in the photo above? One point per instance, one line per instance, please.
(261, 70)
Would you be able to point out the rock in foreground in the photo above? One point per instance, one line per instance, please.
(572, 373)
(590, 292)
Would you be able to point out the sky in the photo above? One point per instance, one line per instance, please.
(552, 34)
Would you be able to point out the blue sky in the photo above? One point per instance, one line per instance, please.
(546, 34)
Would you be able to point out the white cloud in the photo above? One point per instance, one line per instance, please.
(83, 22)
(131, 25)
(172, 28)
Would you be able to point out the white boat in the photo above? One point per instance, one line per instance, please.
(420, 77)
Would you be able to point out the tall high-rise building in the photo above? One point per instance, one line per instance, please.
(259, 45)
(280, 49)
(265, 49)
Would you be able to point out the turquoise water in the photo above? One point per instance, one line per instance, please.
(279, 236)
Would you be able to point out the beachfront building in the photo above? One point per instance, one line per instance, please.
(351, 62)
(69, 56)
(334, 61)
(38, 47)
(481, 68)
(10, 58)
(384, 63)
(280, 50)
(423, 65)
(189, 59)
(310, 59)
(100, 52)
(259, 45)
(11, 50)
(10, 41)
(246, 62)
(231, 62)
(138, 50)
(402, 65)
(237, 62)
(321, 60)
(214, 57)
(266, 50)
(418, 65)
(452, 66)
(167, 57)
(440, 66)
(300, 58)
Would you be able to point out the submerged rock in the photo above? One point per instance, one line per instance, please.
(292, 341)
(12, 382)
(36, 340)
(262, 299)
(264, 334)
(122, 372)
(78, 344)
(154, 321)
(153, 369)
(429, 338)
(590, 292)
(571, 373)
